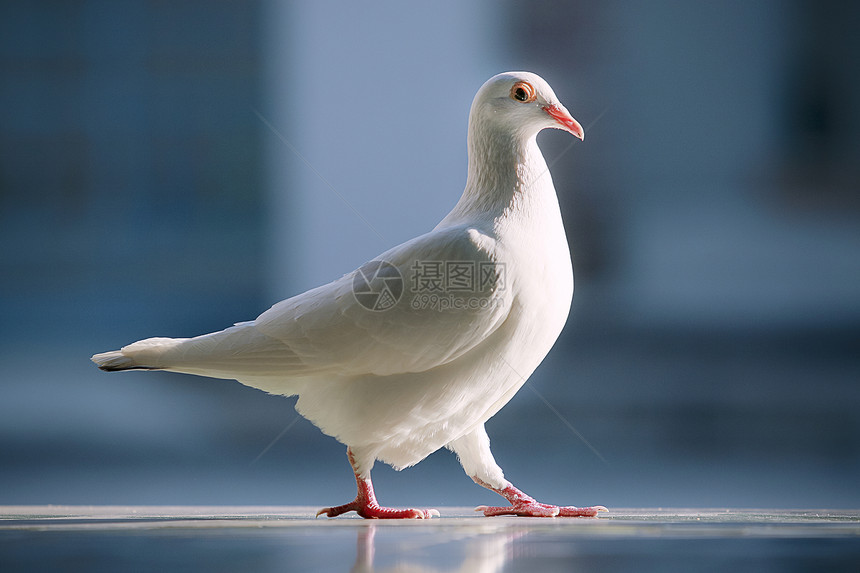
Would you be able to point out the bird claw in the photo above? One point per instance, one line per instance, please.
(365, 503)
(374, 511)
(526, 506)
(571, 511)
(535, 509)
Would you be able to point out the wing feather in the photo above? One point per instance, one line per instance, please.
(330, 332)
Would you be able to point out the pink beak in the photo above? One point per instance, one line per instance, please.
(564, 118)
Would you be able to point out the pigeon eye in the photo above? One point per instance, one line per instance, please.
(524, 92)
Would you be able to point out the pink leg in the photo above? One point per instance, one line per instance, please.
(527, 506)
(366, 506)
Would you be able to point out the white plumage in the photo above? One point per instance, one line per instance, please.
(397, 384)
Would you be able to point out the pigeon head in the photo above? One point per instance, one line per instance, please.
(521, 103)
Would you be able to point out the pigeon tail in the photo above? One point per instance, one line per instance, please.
(142, 355)
(115, 361)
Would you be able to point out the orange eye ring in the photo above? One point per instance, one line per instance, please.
(523, 92)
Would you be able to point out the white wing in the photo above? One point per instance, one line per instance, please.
(335, 331)
(454, 294)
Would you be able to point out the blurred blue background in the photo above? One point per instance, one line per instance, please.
(171, 168)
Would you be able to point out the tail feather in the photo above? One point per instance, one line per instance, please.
(142, 355)
(116, 361)
(240, 352)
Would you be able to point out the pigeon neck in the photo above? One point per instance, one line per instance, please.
(506, 175)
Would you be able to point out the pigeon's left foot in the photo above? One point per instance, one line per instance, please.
(366, 506)
(526, 506)
(372, 510)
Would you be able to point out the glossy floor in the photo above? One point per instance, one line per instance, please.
(290, 539)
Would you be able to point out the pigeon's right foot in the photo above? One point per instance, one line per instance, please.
(366, 506)
(533, 508)
(526, 506)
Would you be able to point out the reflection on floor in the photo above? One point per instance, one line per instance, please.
(289, 538)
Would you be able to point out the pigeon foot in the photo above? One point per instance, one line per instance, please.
(526, 506)
(375, 511)
(535, 509)
(365, 503)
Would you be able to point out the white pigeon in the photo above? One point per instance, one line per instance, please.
(418, 348)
